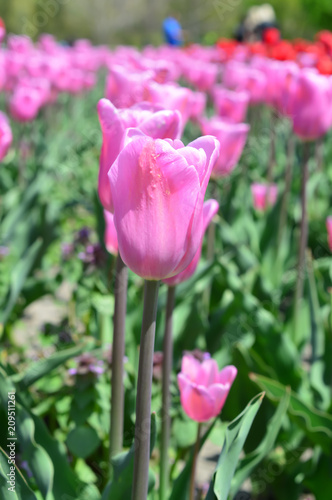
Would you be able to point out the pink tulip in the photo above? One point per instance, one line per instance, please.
(110, 236)
(203, 389)
(240, 77)
(329, 231)
(203, 76)
(170, 96)
(126, 88)
(152, 120)
(25, 103)
(158, 189)
(311, 105)
(230, 106)
(197, 102)
(6, 135)
(232, 138)
(210, 208)
(264, 195)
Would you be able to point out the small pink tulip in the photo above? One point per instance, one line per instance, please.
(210, 208)
(232, 138)
(329, 231)
(152, 120)
(230, 106)
(110, 236)
(6, 135)
(25, 103)
(203, 388)
(158, 189)
(264, 195)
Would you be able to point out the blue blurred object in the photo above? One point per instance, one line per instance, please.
(172, 31)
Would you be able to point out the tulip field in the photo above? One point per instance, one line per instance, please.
(165, 270)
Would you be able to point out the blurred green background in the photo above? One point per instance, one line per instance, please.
(139, 21)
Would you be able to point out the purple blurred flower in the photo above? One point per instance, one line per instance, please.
(198, 354)
(87, 364)
(158, 365)
(67, 250)
(83, 235)
(3, 251)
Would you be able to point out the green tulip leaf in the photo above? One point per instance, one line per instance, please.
(316, 424)
(82, 441)
(250, 461)
(21, 490)
(123, 468)
(235, 436)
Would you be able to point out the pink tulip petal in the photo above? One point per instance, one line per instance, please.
(162, 125)
(211, 147)
(196, 401)
(110, 237)
(227, 375)
(190, 367)
(208, 373)
(210, 208)
(218, 393)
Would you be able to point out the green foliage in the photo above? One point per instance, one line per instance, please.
(238, 307)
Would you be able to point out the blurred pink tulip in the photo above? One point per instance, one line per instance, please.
(203, 76)
(329, 231)
(230, 106)
(110, 236)
(158, 189)
(171, 96)
(232, 138)
(311, 105)
(241, 77)
(126, 88)
(197, 101)
(25, 103)
(203, 388)
(264, 195)
(152, 120)
(6, 135)
(210, 208)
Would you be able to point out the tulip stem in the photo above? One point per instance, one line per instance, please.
(303, 237)
(288, 181)
(211, 235)
(272, 156)
(193, 469)
(211, 232)
(143, 398)
(319, 152)
(118, 351)
(166, 394)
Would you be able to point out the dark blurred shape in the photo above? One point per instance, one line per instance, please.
(258, 20)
